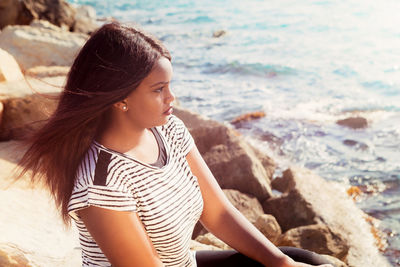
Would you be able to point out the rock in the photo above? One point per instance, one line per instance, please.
(317, 238)
(335, 261)
(57, 12)
(40, 46)
(198, 230)
(25, 102)
(247, 117)
(9, 69)
(48, 71)
(247, 204)
(291, 210)
(31, 85)
(23, 115)
(282, 185)
(1, 111)
(9, 10)
(12, 256)
(195, 245)
(210, 239)
(219, 33)
(354, 122)
(268, 225)
(355, 144)
(29, 219)
(85, 20)
(44, 24)
(311, 200)
(234, 163)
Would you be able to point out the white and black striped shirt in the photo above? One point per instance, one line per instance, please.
(167, 199)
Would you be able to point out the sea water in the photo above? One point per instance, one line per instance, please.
(306, 64)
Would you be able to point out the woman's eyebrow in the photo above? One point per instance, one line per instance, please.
(159, 83)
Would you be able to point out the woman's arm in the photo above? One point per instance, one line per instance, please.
(222, 219)
(121, 236)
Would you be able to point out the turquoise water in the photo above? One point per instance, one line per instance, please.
(306, 64)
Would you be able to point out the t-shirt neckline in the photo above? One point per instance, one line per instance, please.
(149, 165)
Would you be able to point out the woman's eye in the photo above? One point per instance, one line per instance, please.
(159, 90)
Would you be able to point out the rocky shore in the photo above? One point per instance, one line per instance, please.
(298, 209)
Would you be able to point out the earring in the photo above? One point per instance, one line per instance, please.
(124, 108)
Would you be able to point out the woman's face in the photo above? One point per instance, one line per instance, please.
(150, 104)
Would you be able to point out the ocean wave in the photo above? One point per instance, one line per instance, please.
(253, 69)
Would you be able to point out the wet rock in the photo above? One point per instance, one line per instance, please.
(234, 163)
(219, 33)
(355, 144)
(291, 210)
(247, 204)
(238, 121)
(310, 200)
(317, 238)
(282, 185)
(268, 225)
(354, 122)
(9, 69)
(41, 46)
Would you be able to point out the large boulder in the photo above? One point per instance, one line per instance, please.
(31, 85)
(9, 69)
(58, 12)
(234, 163)
(85, 20)
(26, 104)
(23, 115)
(247, 204)
(268, 226)
(317, 238)
(9, 11)
(41, 44)
(310, 200)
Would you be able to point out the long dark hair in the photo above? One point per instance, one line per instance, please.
(111, 64)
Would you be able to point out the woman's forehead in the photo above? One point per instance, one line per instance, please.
(161, 72)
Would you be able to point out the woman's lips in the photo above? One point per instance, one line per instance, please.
(168, 111)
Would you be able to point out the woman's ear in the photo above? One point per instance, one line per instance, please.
(122, 105)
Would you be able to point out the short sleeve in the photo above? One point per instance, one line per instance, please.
(185, 138)
(100, 196)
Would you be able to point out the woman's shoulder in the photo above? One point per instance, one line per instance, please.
(174, 125)
(94, 166)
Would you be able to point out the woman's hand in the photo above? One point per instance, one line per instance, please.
(288, 262)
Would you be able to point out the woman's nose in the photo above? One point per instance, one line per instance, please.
(170, 97)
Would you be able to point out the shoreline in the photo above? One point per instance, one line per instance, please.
(217, 149)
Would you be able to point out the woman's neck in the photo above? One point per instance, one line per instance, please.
(121, 136)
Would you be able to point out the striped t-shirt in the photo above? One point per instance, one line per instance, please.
(167, 199)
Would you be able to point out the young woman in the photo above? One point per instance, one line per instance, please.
(128, 172)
